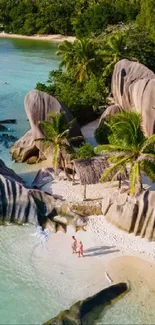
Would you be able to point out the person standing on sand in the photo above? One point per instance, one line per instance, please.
(74, 245)
(80, 249)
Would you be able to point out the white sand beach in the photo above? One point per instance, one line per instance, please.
(106, 250)
(53, 38)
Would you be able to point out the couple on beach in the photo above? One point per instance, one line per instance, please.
(77, 247)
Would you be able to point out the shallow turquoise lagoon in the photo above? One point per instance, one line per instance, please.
(22, 64)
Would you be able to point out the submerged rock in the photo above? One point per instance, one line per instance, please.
(9, 121)
(80, 313)
(3, 128)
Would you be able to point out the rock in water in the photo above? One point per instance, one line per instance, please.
(38, 105)
(9, 121)
(79, 313)
(3, 128)
(133, 88)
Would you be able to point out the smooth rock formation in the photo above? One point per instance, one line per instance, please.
(24, 148)
(38, 105)
(43, 180)
(22, 205)
(130, 213)
(9, 173)
(133, 88)
(111, 110)
(82, 311)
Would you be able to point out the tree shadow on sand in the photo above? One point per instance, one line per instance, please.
(100, 250)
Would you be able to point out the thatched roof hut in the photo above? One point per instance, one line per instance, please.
(90, 170)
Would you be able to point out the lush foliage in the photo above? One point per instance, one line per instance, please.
(57, 135)
(129, 148)
(82, 98)
(84, 17)
(84, 152)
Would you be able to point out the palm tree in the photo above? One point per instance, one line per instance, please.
(57, 134)
(115, 50)
(84, 58)
(78, 57)
(66, 51)
(129, 148)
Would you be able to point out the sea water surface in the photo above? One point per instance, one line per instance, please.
(28, 292)
(23, 63)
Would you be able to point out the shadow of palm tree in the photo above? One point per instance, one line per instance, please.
(100, 250)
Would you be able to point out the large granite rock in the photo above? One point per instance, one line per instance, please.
(82, 312)
(43, 180)
(9, 173)
(38, 105)
(20, 205)
(133, 88)
(130, 213)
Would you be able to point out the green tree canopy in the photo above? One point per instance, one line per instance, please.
(129, 148)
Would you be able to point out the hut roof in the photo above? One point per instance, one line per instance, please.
(90, 170)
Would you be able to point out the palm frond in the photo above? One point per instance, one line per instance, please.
(148, 142)
(114, 168)
(147, 157)
(149, 169)
(48, 129)
(104, 148)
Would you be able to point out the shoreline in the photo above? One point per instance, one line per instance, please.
(57, 38)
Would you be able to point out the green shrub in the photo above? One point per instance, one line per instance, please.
(102, 133)
(84, 152)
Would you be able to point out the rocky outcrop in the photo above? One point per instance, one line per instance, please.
(20, 205)
(111, 110)
(9, 173)
(133, 87)
(43, 180)
(38, 105)
(132, 214)
(80, 313)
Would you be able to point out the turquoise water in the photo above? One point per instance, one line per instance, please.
(22, 64)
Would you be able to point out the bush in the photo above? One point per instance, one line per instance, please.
(84, 152)
(78, 97)
(102, 133)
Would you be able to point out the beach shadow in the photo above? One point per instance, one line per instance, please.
(93, 249)
(100, 250)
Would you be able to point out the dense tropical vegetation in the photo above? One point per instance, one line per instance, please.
(128, 148)
(106, 31)
(80, 17)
